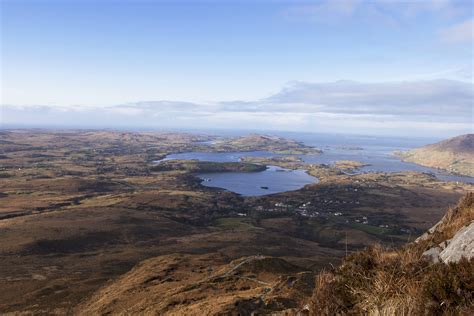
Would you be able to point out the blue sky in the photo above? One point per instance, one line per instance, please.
(104, 54)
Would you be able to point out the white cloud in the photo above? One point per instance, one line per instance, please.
(464, 73)
(459, 33)
(389, 12)
(432, 107)
(433, 98)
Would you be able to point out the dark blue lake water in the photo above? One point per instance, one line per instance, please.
(272, 180)
(377, 152)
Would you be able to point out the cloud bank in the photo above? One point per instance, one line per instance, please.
(436, 107)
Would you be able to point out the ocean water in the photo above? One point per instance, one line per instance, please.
(375, 151)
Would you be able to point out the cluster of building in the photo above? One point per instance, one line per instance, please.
(364, 220)
(321, 208)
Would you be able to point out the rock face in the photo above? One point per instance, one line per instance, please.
(462, 245)
(452, 250)
(455, 155)
(452, 238)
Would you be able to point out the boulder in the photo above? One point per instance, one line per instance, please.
(432, 254)
(461, 245)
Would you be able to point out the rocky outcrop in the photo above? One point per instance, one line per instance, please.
(387, 281)
(452, 250)
(452, 238)
(461, 246)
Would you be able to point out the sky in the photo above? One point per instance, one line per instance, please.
(382, 67)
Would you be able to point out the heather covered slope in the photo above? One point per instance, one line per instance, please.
(407, 281)
(455, 155)
(204, 285)
(377, 281)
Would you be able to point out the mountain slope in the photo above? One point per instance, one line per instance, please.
(377, 281)
(406, 281)
(204, 285)
(455, 155)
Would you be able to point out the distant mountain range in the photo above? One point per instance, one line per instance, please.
(455, 155)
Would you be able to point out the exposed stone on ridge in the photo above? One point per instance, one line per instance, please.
(461, 245)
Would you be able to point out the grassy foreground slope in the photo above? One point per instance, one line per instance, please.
(455, 155)
(382, 281)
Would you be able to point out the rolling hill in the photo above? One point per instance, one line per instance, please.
(377, 281)
(455, 155)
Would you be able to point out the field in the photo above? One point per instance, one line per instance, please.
(78, 209)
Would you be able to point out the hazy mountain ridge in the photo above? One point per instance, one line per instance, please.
(455, 155)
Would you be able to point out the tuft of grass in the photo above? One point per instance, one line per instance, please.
(381, 281)
(450, 288)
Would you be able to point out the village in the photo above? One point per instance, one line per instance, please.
(335, 210)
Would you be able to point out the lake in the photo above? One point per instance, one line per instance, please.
(272, 180)
(377, 152)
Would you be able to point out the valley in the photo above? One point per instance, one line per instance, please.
(79, 209)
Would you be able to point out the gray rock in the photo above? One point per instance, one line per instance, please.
(461, 245)
(432, 254)
(428, 233)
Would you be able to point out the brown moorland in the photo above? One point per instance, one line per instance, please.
(81, 208)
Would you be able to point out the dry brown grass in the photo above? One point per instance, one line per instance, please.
(374, 283)
(455, 219)
(382, 281)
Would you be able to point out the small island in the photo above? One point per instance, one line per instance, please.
(196, 166)
(255, 142)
